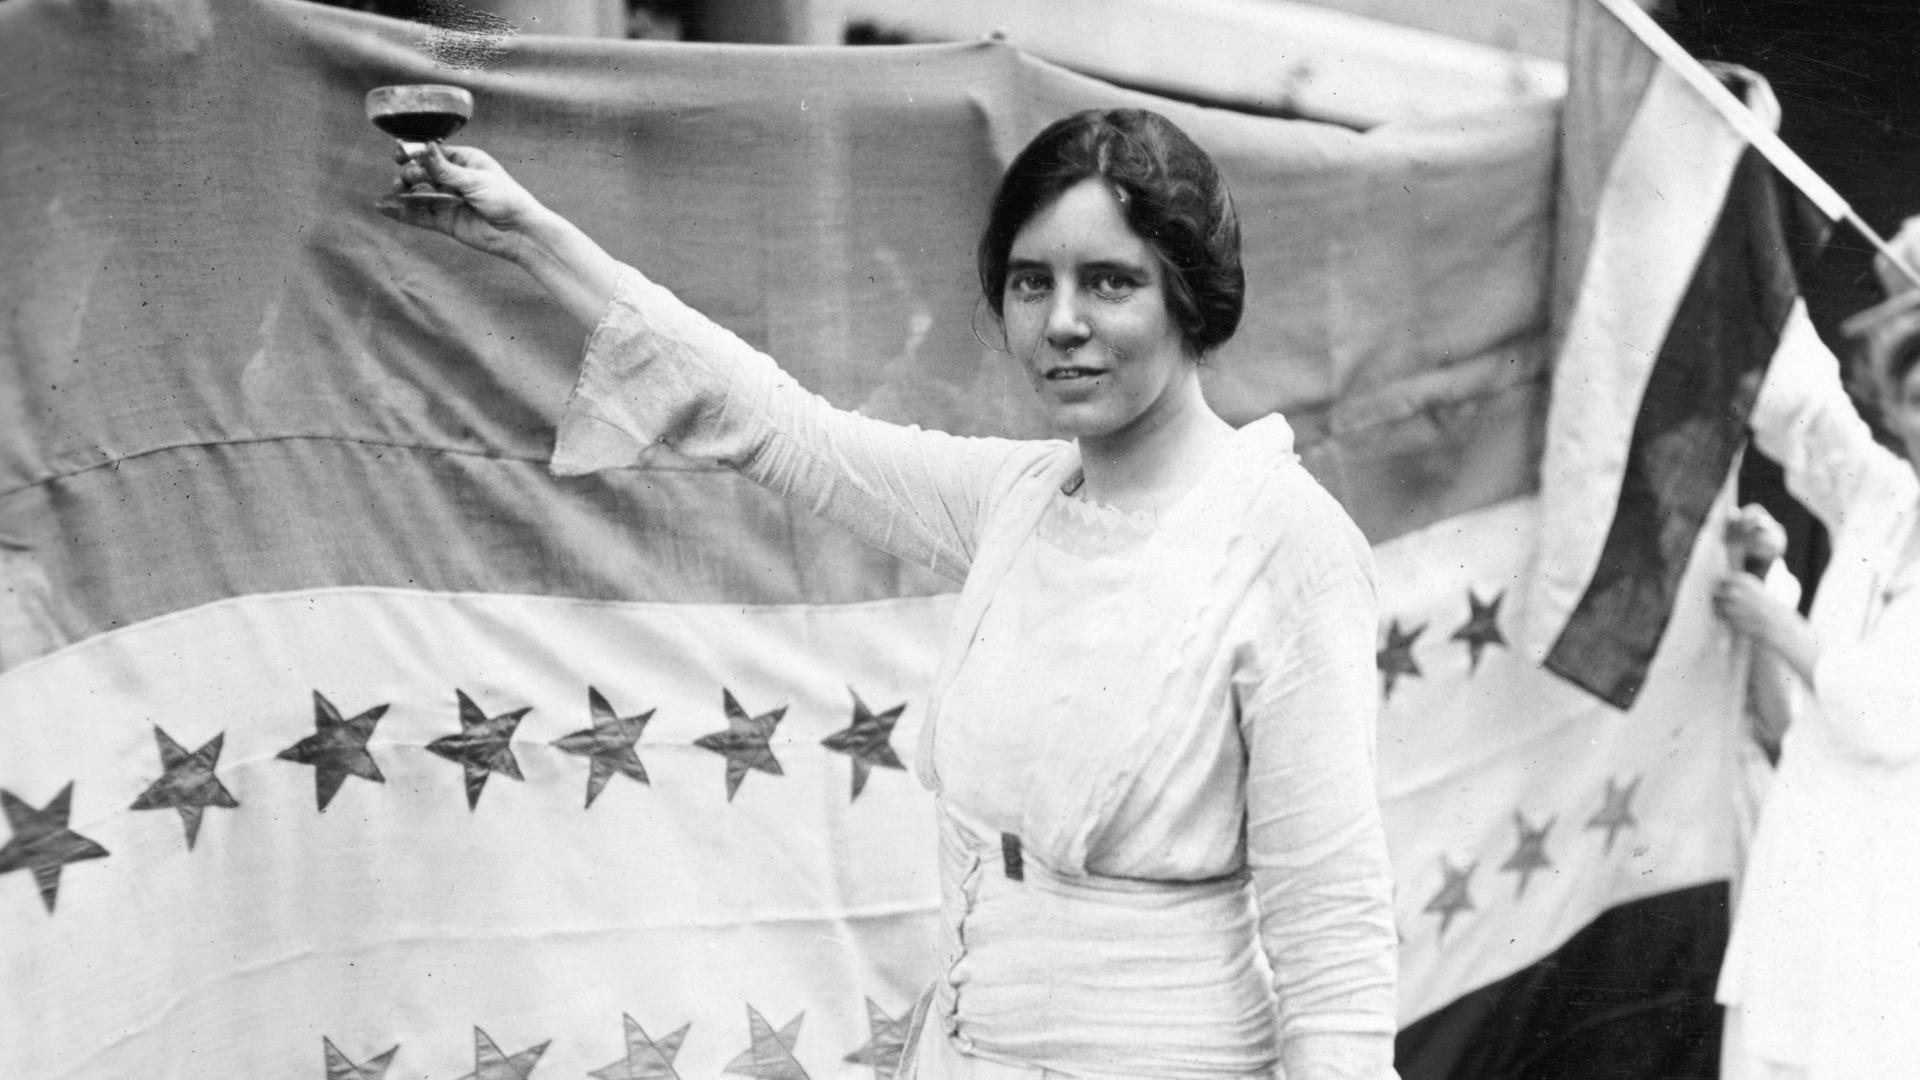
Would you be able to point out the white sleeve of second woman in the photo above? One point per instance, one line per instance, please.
(1804, 420)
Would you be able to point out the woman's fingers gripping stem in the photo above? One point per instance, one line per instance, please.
(493, 208)
(495, 214)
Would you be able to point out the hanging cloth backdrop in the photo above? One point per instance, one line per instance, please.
(339, 739)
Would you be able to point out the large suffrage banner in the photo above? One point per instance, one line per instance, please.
(339, 739)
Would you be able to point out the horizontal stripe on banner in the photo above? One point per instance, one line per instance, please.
(174, 529)
(473, 884)
(1517, 806)
(1631, 994)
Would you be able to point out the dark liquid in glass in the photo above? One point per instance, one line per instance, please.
(420, 126)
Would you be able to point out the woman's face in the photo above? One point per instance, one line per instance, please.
(1086, 313)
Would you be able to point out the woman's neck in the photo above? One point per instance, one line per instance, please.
(1151, 463)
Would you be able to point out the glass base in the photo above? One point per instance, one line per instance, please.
(427, 197)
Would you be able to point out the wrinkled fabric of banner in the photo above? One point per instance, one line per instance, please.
(338, 737)
(212, 335)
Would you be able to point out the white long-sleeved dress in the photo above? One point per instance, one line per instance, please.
(1823, 968)
(1171, 720)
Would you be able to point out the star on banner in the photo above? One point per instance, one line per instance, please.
(1616, 813)
(647, 1059)
(608, 744)
(1482, 627)
(1531, 855)
(188, 784)
(339, 1067)
(1397, 658)
(489, 1063)
(42, 842)
(337, 749)
(483, 747)
(771, 1055)
(868, 741)
(744, 743)
(1453, 897)
(888, 1043)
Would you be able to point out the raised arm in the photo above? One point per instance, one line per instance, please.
(1755, 543)
(657, 371)
(1315, 844)
(1804, 420)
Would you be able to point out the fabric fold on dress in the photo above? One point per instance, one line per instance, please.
(1216, 541)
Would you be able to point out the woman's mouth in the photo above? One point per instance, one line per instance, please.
(1065, 374)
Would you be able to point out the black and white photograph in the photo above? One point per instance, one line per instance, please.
(959, 539)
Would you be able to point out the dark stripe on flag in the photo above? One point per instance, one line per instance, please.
(1690, 425)
(1631, 994)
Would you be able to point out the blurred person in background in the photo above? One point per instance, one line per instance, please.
(1822, 975)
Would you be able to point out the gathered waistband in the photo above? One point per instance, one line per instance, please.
(1098, 976)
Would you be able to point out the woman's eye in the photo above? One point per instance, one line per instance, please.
(1111, 286)
(1027, 286)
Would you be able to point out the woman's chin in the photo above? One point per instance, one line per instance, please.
(1077, 423)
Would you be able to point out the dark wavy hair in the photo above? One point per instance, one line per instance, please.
(1170, 192)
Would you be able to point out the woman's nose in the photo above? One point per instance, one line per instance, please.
(1066, 323)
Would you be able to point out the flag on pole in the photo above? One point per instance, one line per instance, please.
(1682, 221)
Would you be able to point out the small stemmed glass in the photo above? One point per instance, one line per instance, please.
(417, 114)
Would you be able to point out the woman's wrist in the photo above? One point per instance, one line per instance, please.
(1793, 639)
(541, 237)
(578, 273)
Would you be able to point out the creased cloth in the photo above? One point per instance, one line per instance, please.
(1098, 976)
(1233, 736)
(1824, 961)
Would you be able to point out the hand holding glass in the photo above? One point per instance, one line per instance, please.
(417, 114)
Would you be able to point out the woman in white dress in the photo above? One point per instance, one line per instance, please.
(1151, 734)
(1822, 975)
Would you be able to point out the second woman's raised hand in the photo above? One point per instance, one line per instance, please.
(1746, 605)
(1754, 539)
(494, 209)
